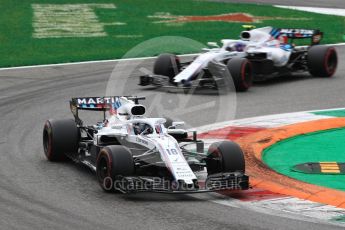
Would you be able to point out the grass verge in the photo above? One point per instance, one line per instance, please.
(19, 47)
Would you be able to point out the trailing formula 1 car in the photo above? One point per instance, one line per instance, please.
(258, 55)
(132, 153)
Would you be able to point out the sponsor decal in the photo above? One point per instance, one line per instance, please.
(184, 174)
(275, 33)
(111, 103)
(297, 31)
(69, 20)
(98, 100)
(142, 141)
(230, 17)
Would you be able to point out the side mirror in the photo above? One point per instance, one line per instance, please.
(213, 44)
(178, 125)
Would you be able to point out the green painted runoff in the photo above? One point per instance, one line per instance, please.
(324, 146)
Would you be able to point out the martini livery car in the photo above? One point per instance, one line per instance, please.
(130, 152)
(259, 54)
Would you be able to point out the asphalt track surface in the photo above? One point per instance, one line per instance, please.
(37, 194)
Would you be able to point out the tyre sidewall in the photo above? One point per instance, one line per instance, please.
(119, 162)
(319, 58)
(230, 158)
(241, 71)
(167, 65)
(62, 137)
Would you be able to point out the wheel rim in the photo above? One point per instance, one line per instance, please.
(247, 74)
(217, 161)
(47, 143)
(103, 169)
(103, 172)
(331, 62)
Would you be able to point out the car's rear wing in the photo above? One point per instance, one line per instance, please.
(314, 35)
(107, 103)
(95, 103)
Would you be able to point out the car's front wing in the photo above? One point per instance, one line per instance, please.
(216, 182)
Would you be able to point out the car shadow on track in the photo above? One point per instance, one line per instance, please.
(89, 177)
(212, 92)
(84, 181)
(158, 197)
(282, 80)
(208, 92)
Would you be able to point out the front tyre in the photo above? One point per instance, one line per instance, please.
(113, 161)
(241, 72)
(225, 156)
(167, 65)
(60, 137)
(322, 61)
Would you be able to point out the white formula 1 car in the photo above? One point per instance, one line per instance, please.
(132, 153)
(259, 54)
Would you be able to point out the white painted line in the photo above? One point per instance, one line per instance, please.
(268, 121)
(337, 44)
(109, 61)
(332, 11)
(319, 10)
(87, 62)
(304, 207)
(287, 207)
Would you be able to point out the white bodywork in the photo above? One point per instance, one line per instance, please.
(121, 125)
(259, 41)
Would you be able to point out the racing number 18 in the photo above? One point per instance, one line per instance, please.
(172, 151)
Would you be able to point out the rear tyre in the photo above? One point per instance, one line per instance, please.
(167, 65)
(225, 156)
(60, 137)
(242, 73)
(113, 161)
(322, 61)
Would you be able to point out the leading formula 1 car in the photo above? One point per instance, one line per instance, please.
(259, 54)
(132, 153)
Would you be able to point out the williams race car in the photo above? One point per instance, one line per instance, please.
(258, 55)
(132, 153)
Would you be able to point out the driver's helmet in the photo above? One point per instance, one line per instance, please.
(238, 46)
(142, 128)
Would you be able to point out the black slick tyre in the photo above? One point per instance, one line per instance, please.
(322, 61)
(167, 65)
(113, 161)
(225, 156)
(60, 137)
(242, 73)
